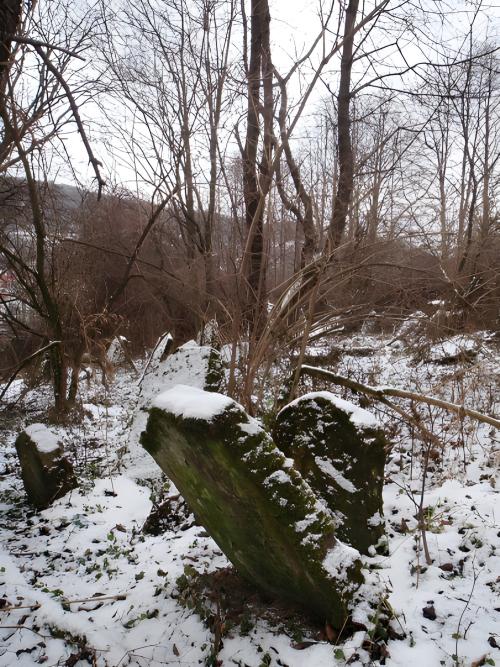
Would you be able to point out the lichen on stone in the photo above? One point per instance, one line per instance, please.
(340, 451)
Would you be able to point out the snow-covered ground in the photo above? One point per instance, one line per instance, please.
(80, 583)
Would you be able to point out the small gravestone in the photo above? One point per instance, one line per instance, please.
(340, 451)
(252, 501)
(46, 472)
(196, 365)
(453, 350)
(115, 354)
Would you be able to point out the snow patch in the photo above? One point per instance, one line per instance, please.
(45, 441)
(358, 416)
(328, 469)
(192, 403)
(252, 427)
(277, 477)
(339, 559)
(375, 520)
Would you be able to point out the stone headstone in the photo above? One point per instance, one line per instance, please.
(339, 450)
(192, 364)
(252, 501)
(195, 365)
(47, 474)
(119, 353)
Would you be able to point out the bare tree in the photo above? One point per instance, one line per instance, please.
(33, 117)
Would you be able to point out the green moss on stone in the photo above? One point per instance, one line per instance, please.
(341, 461)
(257, 507)
(214, 378)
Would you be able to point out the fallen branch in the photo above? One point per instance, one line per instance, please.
(37, 605)
(21, 627)
(381, 394)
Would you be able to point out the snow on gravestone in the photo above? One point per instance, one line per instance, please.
(339, 450)
(251, 500)
(46, 472)
(191, 364)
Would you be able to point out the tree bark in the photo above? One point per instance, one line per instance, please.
(259, 65)
(345, 155)
(10, 16)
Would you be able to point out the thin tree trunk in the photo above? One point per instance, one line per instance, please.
(306, 218)
(260, 61)
(59, 372)
(345, 154)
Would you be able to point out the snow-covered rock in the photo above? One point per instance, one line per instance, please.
(193, 365)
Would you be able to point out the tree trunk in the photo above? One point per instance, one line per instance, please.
(260, 61)
(305, 218)
(346, 167)
(10, 15)
(59, 372)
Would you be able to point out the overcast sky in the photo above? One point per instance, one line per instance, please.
(294, 24)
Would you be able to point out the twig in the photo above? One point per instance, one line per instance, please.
(457, 635)
(99, 598)
(21, 627)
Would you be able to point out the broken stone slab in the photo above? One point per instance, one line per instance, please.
(252, 501)
(453, 350)
(115, 354)
(191, 364)
(47, 474)
(339, 449)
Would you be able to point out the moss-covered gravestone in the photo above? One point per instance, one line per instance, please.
(251, 500)
(339, 450)
(47, 474)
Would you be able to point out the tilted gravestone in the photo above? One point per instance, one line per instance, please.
(252, 501)
(339, 450)
(46, 472)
